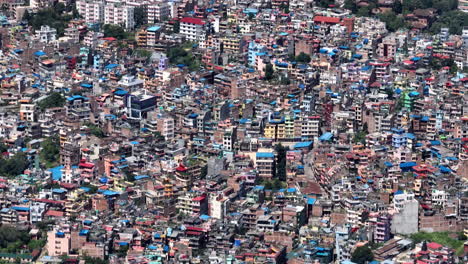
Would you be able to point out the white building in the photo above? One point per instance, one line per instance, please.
(91, 11)
(158, 11)
(116, 13)
(194, 29)
(218, 206)
(46, 34)
(401, 198)
(119, 14)
(439, 197)
(37, 212)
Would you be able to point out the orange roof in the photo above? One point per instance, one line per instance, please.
(55, 213)
(325, 19)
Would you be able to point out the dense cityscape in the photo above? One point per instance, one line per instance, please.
(234, 131)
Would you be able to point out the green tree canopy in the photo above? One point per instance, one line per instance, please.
(303, 58)
(14, 165)
(50, 151)
(53, 100)
(114, 31)
(362, 255)
(140, 16)
(269, 71)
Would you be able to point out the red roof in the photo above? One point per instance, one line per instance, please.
(193, 233)
(86, 165)
(109, 38)
(192, 20)
(181, 168)
(54, 213)
(194, 228)
(325, 19)
(434, 245)
(199, 198)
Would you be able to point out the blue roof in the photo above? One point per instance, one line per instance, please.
(152, 247)
(444, 169)
(111, 66)
(311, 201)
(39, 53)
(56, 173)
(75, 97)
(59, 190)
(204, 217)
(290, 190)
(84, 232)
(103, 180)
(326, 136)
(399, 192)
(306, 144)
(139, 177)
(265, 155)
(122, 243)
(86, 85)
(110, 193)
(406, 165)
(153, 28)
(20, 208)
(410, 135)
(388, 164)
(435, 142)
(120, 92)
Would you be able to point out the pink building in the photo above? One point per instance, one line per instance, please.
(58, 242)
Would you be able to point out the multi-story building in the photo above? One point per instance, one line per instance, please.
(58, 242)
(158, 11)
(77, 108)
(139, 104)
(46, 34)
(265, 163)
(92, 11)
(192, 203)
(194, 29)
(119, 14)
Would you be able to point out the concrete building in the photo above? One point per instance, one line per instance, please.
(194, 29)
(406, 221)
(46, 34)
(119, 14)
(158, 11)
(92, 11)
(265, 163)
(58, 242)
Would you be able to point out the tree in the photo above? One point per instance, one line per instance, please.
(303, 58)
(176, 27)
(362, 255)
(114, 31)
(140, 15)
(14, 165)
(397, 7)
(392, 21)
(54, 17)
(50, 151)
(269, 71)
(351, 5)
(53, 100)
(281, 162)
(91, 260)
(3, 147)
